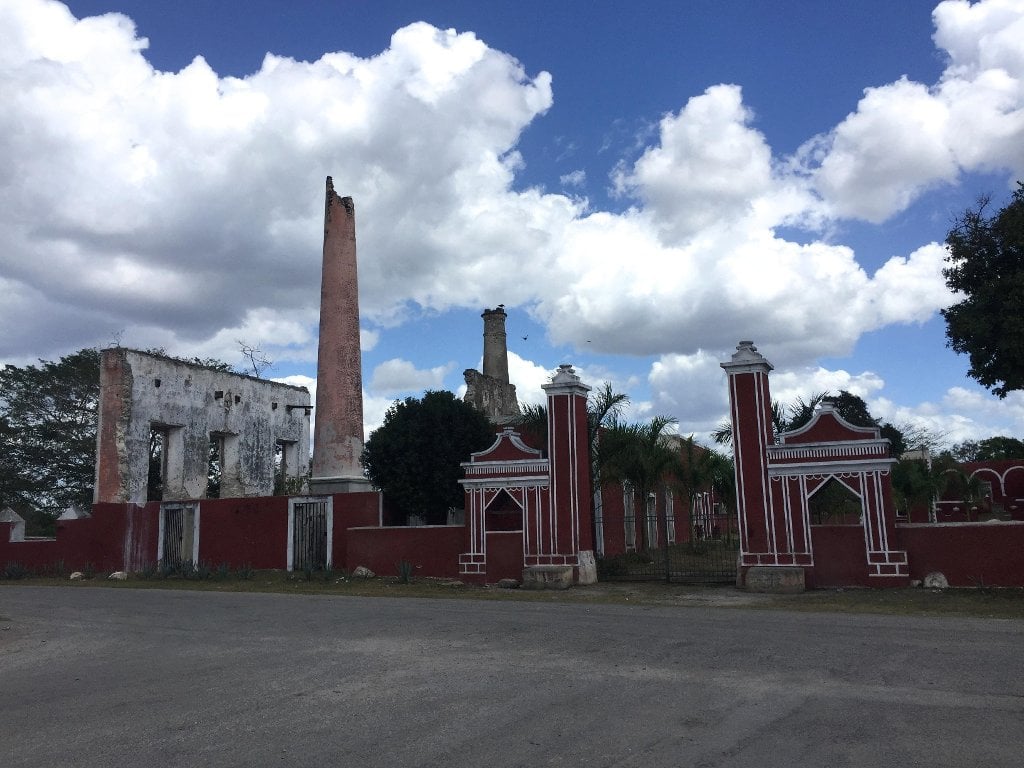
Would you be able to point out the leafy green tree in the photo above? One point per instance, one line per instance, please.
(990, 449)
(986, 267)
(48, 416)
(414, 457)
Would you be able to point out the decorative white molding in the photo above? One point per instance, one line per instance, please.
(828, 468)
(506, 467)
(828, 450)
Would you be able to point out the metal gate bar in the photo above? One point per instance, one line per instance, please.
(702, 559)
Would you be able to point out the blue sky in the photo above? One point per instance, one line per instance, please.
(642, 186)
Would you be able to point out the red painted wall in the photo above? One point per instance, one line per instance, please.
(98, 542)
(614, 516)
(244, 532)
(968, 554)
(432, 549)
(352, 510)
(504, 555)
(840, 557)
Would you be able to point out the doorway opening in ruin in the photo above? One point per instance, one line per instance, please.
(834, 503)
(310, 533)
(179, 535)
(157, 478)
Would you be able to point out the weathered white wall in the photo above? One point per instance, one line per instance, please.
(140, 391)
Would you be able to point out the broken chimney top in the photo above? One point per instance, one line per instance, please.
(495, 349)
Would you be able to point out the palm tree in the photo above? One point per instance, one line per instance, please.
(723, 482)
(694, 471)
(533, 422)
(785, 418)
(638, 454)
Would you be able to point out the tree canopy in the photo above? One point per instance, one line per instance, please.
(986, 268)
(48, 415)
(989, 449)
(414, 456)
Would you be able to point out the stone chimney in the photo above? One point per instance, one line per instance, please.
(495, 349)
(338, 433)
(490, 392)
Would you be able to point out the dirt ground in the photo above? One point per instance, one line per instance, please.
(986, 602)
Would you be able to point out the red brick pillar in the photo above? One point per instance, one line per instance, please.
(750, 405)
(563, 538)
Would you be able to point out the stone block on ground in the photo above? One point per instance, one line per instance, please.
(547, 577)
(776, 579)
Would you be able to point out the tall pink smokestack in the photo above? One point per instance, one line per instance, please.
(338, 434)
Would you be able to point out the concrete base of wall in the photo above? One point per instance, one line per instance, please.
(587, 568)
(778, 579)
(547, 577)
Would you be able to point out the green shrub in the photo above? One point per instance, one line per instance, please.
(15, 571)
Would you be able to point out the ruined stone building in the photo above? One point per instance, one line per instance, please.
(490, 392)
(191, 418)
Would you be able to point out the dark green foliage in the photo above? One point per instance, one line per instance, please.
(834, 503)
(48, 417)
(414, 457)
(986, 267)
(640, 455)
(532, 424)
(990, 449)
(15, 571)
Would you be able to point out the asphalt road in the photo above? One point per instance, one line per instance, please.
(117, 677)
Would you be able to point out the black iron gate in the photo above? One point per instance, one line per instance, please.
(706, 555)
(309, 535)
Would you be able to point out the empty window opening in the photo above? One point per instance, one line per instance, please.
(215, 466)
(629, 516)
(157, 477)
(670, 517)
(651, 518)
(834, 504)
(287, 472)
